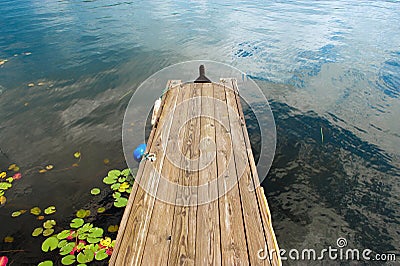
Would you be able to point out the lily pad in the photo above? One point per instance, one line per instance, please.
(48, 232)
(66, 249)
(115, 186)
(93, 240)
(12, 166)
(50, 244)
(16, 214)
(36, 210)
(10, 180)
(114, 173)
(101, 254)
(126, 172)
(3, 200)
(76, 223)
(49, 224)
(5, 185)
(101, 210)
(85, 256)
(96, 232)
(120, 202)
(17, 176)
(62, 243)
(112, 228)
(49, 167)
(95, 191)
(3, 260)
(46, 263)
(3, 175)
(82, 213)
(77, 155)
(68, 260)
(63, 234)
(8, 239)
(50, 210)
(37, 231)
(109, 180)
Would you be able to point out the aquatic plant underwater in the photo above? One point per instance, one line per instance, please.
(81, 242)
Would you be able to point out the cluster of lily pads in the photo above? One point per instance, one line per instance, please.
(82, 243)
(121, 183)
(6, 179)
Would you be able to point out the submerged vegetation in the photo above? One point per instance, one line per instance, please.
(81, 242)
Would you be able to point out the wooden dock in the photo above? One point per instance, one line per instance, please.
(216, 214)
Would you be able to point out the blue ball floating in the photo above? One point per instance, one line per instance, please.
(138, 152)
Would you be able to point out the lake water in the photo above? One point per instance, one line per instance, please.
(325, 66)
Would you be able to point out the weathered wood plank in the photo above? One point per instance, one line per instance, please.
(208, 250)
(260, 196)
(233, 240)
(183, 239)
(128, 208)
(130, 250)
(251, 213)
(160, 228)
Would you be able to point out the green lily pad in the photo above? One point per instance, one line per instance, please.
(101, 210)
(50, 244)
(126, 172)
(116, 195)
(93, 240)
(115, 186)
(86, 227)
(112, 228)
(101, 254)
(48, 232)
(114, 173)
(68, 260)
(10, 180)
(96, 232)
(66, 249)
(109, 180)
(62, 243)
(76, 223)
(49, 224)
(1, 192)
(5, 185)
(50, 210)
(16, 214)
(36, 210)
(81, 213)
(37, 231)
(95, 191)
(122, 179)
(63, 234)
(85, 256)
(46, 263)
(120, 202)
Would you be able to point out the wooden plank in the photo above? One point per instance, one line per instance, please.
(262, 203)
(233, 241)
(160, 228)
(208, 250)
(255, 236)
(183, 238)
(128, 208)
(131, 248)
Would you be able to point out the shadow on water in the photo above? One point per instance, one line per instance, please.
(323, 186)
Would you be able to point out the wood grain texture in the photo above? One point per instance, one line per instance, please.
(208, 250)
(233, 240)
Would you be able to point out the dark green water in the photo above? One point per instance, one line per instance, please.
(333, 65)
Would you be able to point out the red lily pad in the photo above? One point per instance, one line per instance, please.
(17, 176)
